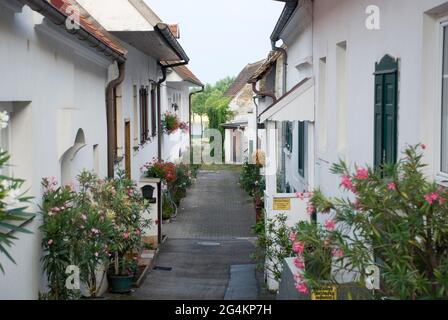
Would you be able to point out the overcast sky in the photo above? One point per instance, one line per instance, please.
(221, 36)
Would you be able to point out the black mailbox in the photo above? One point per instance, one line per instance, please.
(148, 192)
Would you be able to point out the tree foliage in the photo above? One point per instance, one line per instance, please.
(212, 100)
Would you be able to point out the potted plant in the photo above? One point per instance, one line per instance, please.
(126, 209)
(170, 122)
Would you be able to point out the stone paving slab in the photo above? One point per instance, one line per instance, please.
(243, 283)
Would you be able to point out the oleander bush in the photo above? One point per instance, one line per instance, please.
(394, 219)
(97, 226)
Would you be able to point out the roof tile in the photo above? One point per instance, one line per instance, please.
(242, 79)
(87, 23)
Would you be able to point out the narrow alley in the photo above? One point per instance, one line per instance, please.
(208, 245)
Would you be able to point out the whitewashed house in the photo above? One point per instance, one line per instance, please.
(154, 81)
(53, 86)
(376, 73)
(240, 132)
(381, 74)
(284, 85)
(80, 98)
(180, 82)
(143, 96)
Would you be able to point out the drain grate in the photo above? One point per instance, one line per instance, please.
(209, 244)
(162, 268)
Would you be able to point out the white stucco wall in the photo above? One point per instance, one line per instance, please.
(57, 87)
(176, 90)
(297, 38)
(141, 70)
(409, 32)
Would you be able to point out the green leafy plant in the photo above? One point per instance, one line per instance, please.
(393, 218)
(126, 210)
(273, 244)
(97, 226)
(13, 204)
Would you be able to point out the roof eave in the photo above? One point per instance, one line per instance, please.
(49, 11)
(164, 31)
(287, 13)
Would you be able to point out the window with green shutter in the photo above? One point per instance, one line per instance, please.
(288, 136)
(386, 95)
(301, 147)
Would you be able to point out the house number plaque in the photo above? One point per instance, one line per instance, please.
(324, 293)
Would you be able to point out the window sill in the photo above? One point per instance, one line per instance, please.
(442, 179)
(287, 153)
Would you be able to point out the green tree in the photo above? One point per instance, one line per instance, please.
(214, 104)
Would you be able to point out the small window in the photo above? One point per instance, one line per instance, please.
(143, 114)
(288, 136)
(301, 148)
(5, 136)
(154, 96)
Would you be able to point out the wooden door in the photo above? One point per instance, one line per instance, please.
(127, 147)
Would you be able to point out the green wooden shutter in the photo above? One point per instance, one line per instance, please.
(386, 93)
(390, 118)
(301, 148)
(378, 121)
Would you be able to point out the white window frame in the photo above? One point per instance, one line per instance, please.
(441, 177)
(7, 169)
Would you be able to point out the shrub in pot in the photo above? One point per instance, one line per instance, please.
(126, 211)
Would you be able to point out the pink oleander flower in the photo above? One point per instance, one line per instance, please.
(126, 235)
(137, 232)
(424, 146)
(391, 186)
(337, 253)
(292, 236)
(310, 208)
(300, 195)
(50, 242)
(329, 224)
(97, 254)
(95, 231)
(441, 200)
(362, 174)
(298, 277)
(84, 217)
(431, 197)
(302, 288)
(298, 262)
(346, 183)
(298, 247)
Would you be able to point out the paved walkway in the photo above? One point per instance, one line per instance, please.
(210, 237)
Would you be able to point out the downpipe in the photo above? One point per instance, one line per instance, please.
(110, 115)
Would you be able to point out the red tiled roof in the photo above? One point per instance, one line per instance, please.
(87, 23)
(187, 75)
(265, 67)
(242, 78)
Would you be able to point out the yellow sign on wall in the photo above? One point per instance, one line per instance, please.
(324, 293)
(282, 204)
